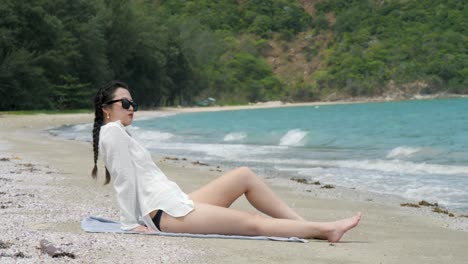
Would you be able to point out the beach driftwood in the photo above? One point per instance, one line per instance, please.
(49, 249)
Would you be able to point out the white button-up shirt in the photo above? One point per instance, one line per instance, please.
(140, 185)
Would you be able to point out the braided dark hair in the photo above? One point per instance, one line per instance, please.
(105, 93)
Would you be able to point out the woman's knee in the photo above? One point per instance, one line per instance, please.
(245, 169)
(246, 172)
(253, 224)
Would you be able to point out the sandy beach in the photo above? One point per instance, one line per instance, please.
(46, 189)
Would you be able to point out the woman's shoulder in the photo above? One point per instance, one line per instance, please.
(115, 127)
(113, 124)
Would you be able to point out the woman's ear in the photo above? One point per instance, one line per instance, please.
(105, 112)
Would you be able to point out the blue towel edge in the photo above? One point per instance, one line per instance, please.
(105, 220)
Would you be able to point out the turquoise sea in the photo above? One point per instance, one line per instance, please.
(413, 149)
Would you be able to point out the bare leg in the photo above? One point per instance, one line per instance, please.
(224, 190)
(210, 219)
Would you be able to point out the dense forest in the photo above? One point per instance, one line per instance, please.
(55, 53)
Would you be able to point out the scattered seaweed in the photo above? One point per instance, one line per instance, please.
(5, 205)
(299, 180)
(27, 167)
(200, 163)
(24, 194)
(5, 159)
(5, 179)
(5, 245)
(435, 209)
(53, 251)
(16, 255)
(425, 203)
(410, 205)
(305, 181)
(439, 210)
(19, 255)
(442, 211)
(170, 158)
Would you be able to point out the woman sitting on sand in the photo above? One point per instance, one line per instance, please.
(148, 201)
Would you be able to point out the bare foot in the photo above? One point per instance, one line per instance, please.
(339, 228)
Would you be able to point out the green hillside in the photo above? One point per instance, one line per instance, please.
(54, 53)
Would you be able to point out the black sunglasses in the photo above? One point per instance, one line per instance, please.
(125, 104)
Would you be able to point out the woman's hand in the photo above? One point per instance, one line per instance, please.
(143, 229)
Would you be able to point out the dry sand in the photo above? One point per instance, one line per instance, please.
(46, 189)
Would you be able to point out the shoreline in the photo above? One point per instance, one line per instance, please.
(387, 199)
(279, 104)
(158, 111)
(396, 200)
(67, 193)
(455, 220)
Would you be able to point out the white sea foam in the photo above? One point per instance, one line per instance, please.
(235, 136)
(149, 136)
(446, 195)
(412, 187)
(402, 152)
(389, 166)
(390, 174)
(294, 137)
(229, 152)
(404, 167)
(82, 127)
(153, 115)
(71, 134)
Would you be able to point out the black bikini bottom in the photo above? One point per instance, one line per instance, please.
(157, 219)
